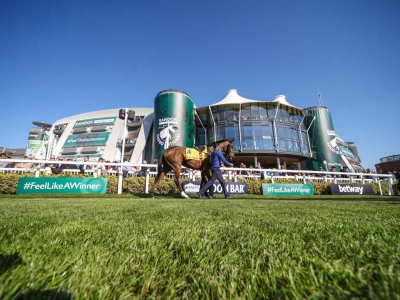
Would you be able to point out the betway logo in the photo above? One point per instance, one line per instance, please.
(351, 189)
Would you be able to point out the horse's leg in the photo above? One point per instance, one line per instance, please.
(177, 172)
(161, 174)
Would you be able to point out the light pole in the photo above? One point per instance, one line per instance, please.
(124, 114)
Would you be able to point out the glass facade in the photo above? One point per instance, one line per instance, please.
(256, 127)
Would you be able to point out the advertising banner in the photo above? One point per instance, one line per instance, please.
(62, 186)
(37, 144)
(87, 140)
(95, 122)
(271, 189)
(347, 152)
(33, 147)
(352, 189)
(193, 187)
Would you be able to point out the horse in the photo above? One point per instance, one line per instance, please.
(172, 159)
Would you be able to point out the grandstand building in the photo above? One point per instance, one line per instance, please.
(274, 133)
(270, 132)
(100, 134)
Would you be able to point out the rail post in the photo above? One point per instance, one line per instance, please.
(37, 173)
(147, 181)
(120, 180)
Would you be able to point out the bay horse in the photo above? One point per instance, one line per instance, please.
(172, 159)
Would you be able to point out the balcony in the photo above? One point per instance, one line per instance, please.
(129, 143)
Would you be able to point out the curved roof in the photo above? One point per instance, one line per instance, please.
(232, 97)
(282, 100)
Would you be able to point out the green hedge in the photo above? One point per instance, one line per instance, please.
(136, 185)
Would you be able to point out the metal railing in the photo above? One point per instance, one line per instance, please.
(304, 176)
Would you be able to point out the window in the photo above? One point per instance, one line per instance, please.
(283, 145)
(290, 145)
(232, 131)
(220, 132)
(296, 146)
(305, 144)
(295, 134)
(246, 114)
(268, 144)
(248, 131)
(259, 144)
(281, 132)
(263, 113)
(200, 136)
(266, 131)
(284, 115)
(236, 145)
(248, 144)
(288, 132)
(271, 113)
(257, 129)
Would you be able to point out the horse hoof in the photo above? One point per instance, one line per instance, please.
(183, 194)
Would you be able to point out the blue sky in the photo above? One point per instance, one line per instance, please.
(60, 58)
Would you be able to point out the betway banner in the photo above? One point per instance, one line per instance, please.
(62, 186)
(271, 189)
(352, 189)
(95, 122)
(193, 187)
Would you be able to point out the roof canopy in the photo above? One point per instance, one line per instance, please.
(232, 97)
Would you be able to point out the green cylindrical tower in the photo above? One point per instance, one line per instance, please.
(173, 120)
(322, 138)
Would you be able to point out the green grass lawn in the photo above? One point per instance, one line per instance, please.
(130, 247)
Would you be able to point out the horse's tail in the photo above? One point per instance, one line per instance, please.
(160, 161)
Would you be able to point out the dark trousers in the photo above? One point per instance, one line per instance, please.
(216, 174)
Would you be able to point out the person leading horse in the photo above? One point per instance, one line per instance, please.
(172, 159)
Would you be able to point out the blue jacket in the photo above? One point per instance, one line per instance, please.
(216, 157)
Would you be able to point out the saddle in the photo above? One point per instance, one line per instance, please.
(195, 154)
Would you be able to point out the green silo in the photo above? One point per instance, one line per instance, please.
(322, 138)
(173, 120)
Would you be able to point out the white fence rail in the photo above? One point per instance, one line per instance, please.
(235, 174)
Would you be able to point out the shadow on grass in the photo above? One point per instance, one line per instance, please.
(43, 295)
(9, 261)
(13, 260)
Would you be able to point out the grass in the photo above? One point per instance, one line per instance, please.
(140, 248)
